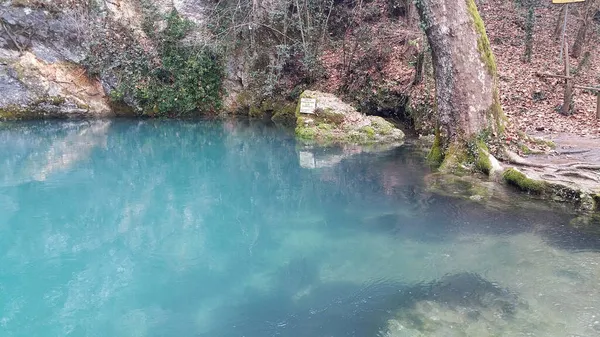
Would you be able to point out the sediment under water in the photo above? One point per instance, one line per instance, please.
(174, 228)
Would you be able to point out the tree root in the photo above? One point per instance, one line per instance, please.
(582, 166)
(578, 174)
(514, 158)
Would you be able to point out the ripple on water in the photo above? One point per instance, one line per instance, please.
(176, 228)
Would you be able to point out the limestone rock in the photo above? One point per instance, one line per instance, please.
(40, 65)
(336, 122)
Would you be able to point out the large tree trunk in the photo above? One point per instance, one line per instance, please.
(465, 71)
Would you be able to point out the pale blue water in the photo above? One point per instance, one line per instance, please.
(172, 228)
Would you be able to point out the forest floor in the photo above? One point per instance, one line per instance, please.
(556, 148)
(570, 154)
(531, 102)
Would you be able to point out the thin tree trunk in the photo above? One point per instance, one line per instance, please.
(419, 65)
(558, 28)
(568, 96)
(589, 11)
(579, 40)
(598, 106)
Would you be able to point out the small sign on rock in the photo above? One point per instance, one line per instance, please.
(308, 105)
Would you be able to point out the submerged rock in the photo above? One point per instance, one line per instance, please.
(462, 304)
(335, 122)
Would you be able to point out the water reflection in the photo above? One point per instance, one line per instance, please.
(35, 155)
(154, 228)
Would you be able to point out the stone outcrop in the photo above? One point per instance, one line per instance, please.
(41, 53)
(335, 122)
(45, 46)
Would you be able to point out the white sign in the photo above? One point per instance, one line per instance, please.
(308, 105)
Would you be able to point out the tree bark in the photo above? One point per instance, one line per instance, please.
(568, 95)
(587, 15)
(558, 28)
(579, 40)
(598, 106)
(465, 70)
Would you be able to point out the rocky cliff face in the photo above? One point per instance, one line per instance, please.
(46, 47)
(97, 58)
(40, 64)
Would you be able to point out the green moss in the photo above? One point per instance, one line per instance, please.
(538, 141)
(243, 102)
(382, 127)
(54, 100)
(518, 179)
(307, 94)
(9, 112)
(497, 113)
(306, 132)
(483, 43)
(455, 158)
(369, 131)
(325, 127)
(329, 126)
(83, 106)
(436, 154)
(285, 115)
(256, 111)
(483, 162)
(34, 110)
(356, 137)
(525, 149)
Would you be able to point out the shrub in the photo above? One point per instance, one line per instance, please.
(175, 80)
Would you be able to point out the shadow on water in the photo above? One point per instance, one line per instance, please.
(445, 218)
(396, 177)
(339, 309)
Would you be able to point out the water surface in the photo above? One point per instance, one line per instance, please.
(175, 228)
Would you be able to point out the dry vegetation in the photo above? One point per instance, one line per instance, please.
(531, 101)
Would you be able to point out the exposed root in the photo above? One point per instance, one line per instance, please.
(514, 158)
(578, 174)
(573, 152)
(582, 166)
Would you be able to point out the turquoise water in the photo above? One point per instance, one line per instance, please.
(174, 228)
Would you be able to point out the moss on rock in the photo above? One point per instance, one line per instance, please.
(482, 162)
(335, 122)
(43, 107)
(436, 153)
(518, 179)
(281, 112)
(456, 159)
(285, 115)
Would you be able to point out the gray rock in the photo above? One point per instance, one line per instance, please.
(13, 91)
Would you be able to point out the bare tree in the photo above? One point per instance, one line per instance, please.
(587, 16)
